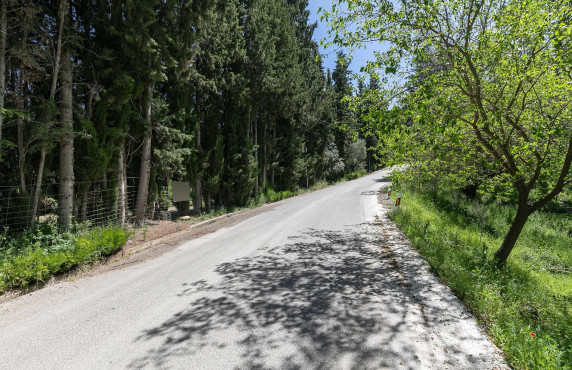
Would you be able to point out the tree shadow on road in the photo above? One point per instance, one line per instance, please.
(312, 303)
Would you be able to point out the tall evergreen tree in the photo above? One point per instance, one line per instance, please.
(229, 95)
(342, 87)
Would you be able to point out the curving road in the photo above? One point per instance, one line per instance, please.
(322, 281)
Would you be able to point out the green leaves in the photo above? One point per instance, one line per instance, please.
(484, 85)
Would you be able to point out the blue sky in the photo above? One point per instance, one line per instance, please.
(360, 57)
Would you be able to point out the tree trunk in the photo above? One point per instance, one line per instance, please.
(122, 183)
(3, 36)
(57, 62)
(104, 181)
(95, 205)
(264, 159)
(84, 201)
(76, 203)
(67, 177)
(152, 211)
(21, 154)
(513, 233)
(208, 202)
(20, 130)
(256, 190)
(66, 115)
(272, 179)
(197, 200)
(38, 189)
(145, 171)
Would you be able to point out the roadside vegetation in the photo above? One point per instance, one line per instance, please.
(482, 94)
(43, 252)
(525, 305)
(37, 255)
(269, 195)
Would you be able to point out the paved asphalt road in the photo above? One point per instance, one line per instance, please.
(309, 284)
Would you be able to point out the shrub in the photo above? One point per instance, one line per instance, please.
(42, 253)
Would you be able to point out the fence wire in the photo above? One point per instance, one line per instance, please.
(96, 204)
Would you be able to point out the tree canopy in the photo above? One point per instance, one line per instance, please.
(100, 96)
(488, 91)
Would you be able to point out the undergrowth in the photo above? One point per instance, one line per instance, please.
(38, 254)
(269, 195)
(526, 306)
(41, 253)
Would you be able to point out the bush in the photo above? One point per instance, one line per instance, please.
(42, 253)
(355, 174)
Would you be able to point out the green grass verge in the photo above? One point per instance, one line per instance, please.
(39, 254)
(525, 306)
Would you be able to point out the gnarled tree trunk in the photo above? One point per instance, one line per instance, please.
(522, 213)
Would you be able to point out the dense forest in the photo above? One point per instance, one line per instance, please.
(101, 96)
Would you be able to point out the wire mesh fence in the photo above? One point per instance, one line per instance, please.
(96, 204)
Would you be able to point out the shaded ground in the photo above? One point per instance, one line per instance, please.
(328, 299)
(316, 283)
(322, 288)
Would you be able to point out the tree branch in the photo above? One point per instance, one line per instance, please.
(561, 182)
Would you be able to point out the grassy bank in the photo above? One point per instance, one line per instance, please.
(39, 254)
(525, 306)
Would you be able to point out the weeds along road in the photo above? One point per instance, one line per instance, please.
(319, 282)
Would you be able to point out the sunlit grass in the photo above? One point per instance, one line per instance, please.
(39, 254)
(525, 306)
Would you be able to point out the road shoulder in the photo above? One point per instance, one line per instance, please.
(455, 336)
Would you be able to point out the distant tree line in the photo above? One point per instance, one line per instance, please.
(229, 95)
